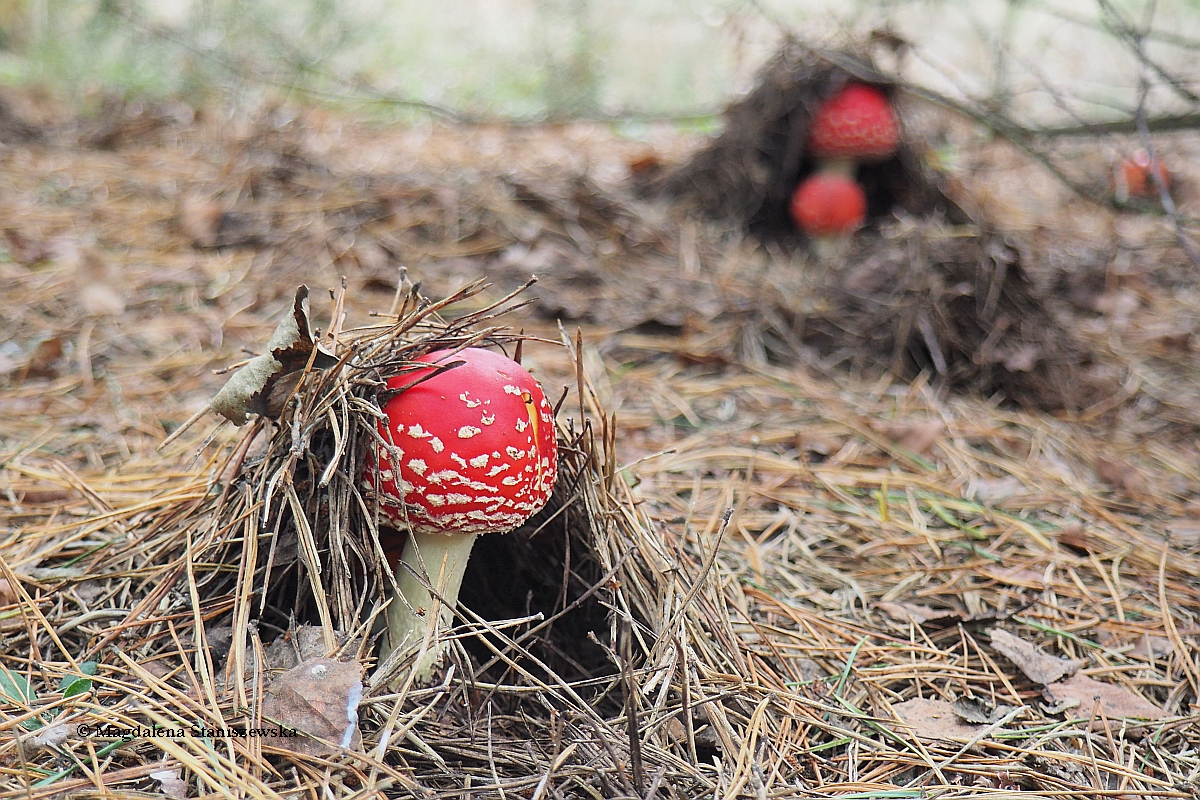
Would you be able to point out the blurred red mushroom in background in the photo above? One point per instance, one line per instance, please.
(828, 207)
(855, 125)
(1132, 177)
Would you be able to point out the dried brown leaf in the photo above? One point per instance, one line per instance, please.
(974, 711)
(207, 223)
(1152, 647)
(1082, 692)
(1121, 476)
(101, 290)
(43, 360)
(918, 614)
(319, 698)
(200, 219)
(1037, 666)
(54, 735)
(171, 784)
(914, 435)
(250, 390)
(933, 719)
(25, 250)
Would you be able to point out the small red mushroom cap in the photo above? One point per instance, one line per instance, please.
(475, 446)
(1133, 178)
(828, 204)
(857, 122)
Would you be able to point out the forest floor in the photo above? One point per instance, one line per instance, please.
(881, 588)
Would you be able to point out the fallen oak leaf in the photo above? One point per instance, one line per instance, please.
(1036, 665)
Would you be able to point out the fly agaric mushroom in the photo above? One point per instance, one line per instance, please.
(828, 207)
(472, 450)
(1133, 177)
(857, 124)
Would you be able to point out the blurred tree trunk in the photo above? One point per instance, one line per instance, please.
(16, 18)
(571, 84)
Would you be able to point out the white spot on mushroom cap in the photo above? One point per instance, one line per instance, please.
(437, 445)
(487, 419)
(417, 432)
(510, 389)
(418, 466)
(466, 398)
(457, 459)
(467, 431)
(480, 461)
(522, 425)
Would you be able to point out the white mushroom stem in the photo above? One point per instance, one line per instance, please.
(838, 166)
(409, 615)
(830, 248)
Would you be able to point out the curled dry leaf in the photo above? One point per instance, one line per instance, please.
(1037, 666)
(43, 360)
(919, 615)
(171, 784)
(262, 385)
(53, 735)
(319, 698)
(974, 711)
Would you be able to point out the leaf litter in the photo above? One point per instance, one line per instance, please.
(741, 518)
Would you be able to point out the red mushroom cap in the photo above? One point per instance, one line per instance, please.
(857, 122)
(828, 204)
(477, 446)
(1133, 178)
